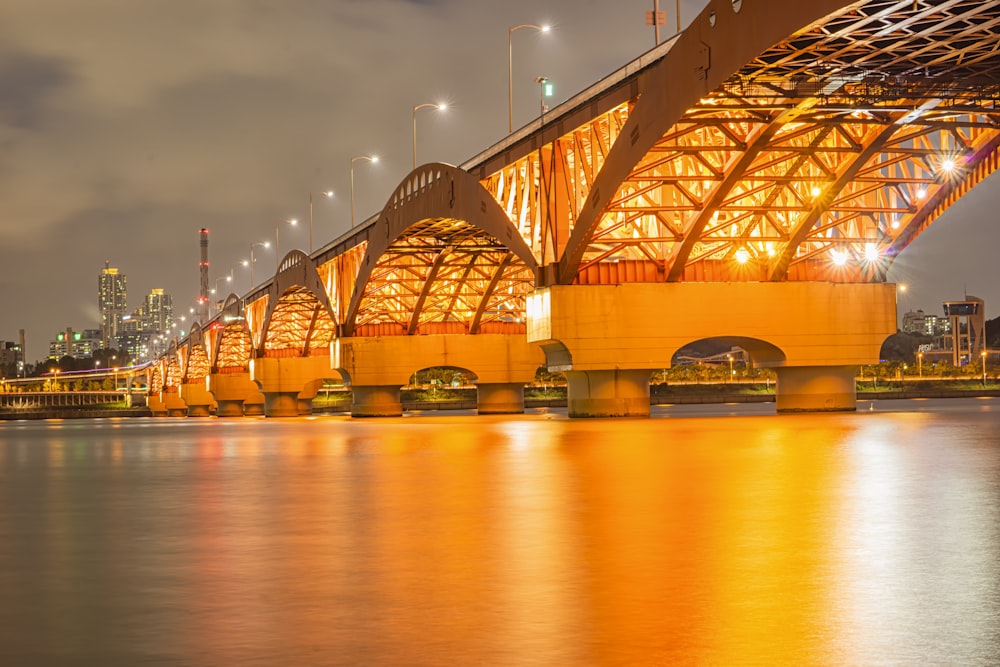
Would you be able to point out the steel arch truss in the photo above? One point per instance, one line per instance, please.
(299, 320)
(173, 375)
(543, 192)
(820, 159)
(449, 262)
(233, 345)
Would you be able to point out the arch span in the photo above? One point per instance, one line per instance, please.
(443, 258)
(795, 141)
(299, 320)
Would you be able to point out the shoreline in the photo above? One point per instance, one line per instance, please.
(656, 398)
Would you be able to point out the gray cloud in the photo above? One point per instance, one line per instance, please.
(26, 83)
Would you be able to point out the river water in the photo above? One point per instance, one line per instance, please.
(712, 535)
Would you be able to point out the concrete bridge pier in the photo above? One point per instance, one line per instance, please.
(378, 366)
(813, 334)
(197, 398)
(253, 405)
(816, 389)
(174, 404)
(608, 393)
(289, 383)
(156, 406)
(232, 391)
(500, 398)
(376, 401)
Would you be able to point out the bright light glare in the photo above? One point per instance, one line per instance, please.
(839, 258)
(816, 192)
(871, 252)
(545, 28)
(895, 224)
(742, 255)
(442, 106)
(921, 193)
(329, 193)
(948, 165)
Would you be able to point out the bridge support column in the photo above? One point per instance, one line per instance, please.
(232, 392)
(289, 383)
(376, 401)
(198, 399)
(816, 389)
(500, 398)
(612, 393)
(281, 404)
(175, 406)
(156, 406)
(253, 405)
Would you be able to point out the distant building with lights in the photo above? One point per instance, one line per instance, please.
(76, 344)
(925, 324)
(111, 298)
(11, 359)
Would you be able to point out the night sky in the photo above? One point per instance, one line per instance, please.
(126, 126)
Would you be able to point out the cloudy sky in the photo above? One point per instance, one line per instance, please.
(126, 126)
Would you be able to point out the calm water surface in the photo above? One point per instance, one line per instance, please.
(720, 535)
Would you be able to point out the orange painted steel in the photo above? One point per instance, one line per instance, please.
(770, 141)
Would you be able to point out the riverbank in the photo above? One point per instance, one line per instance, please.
(555, 397)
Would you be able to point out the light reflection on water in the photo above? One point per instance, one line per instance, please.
(868, 538)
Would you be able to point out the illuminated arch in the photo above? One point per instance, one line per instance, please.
(173, 375)
(299, 320)
(233, 346)
(443, 257)
(795, 141)
(195, 356)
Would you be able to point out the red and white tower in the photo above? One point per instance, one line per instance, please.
(203, 268)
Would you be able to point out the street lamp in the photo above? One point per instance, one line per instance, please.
(370, 158)
(920, 365)
(277, 223)
(731, 371)
(510, 69)
(326, 193)
(440, 107)
(983, 356)
(262, 244)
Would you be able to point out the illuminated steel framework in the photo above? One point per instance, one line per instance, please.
(816, 156)
(821, 159)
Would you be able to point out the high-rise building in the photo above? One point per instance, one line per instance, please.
(157, 312)
(112, 302)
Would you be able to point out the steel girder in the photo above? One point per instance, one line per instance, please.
(788, 140)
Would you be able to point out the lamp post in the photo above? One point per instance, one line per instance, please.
(731, 371)
(370, 158)
(277, 223)
(983, 357)
(262, 244)
(510, 69)
(920, 365)
(440, 107)
(326, 193)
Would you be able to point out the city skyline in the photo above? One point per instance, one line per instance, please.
(120, 146)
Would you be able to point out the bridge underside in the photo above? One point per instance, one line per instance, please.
(821, 158)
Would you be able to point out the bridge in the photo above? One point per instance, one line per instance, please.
(749, 181)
